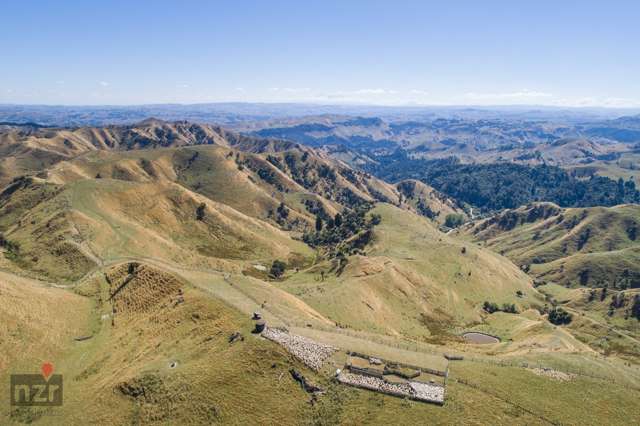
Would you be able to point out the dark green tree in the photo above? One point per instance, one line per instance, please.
(490, 307)
(277, 268)
(559, 316)
(509, 308)
(453, 220)
(603, 294)
(200, 211)
(635, 308)
(283, 211)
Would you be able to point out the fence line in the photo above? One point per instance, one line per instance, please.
(577, 372)
(417, 347)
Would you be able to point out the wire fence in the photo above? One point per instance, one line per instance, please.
(420, 347)
(580, 371)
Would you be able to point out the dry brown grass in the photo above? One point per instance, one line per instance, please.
(162, 362)
(136, 288)
(37, 322)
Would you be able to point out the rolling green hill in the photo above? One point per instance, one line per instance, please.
(592, 247)
(412, 281)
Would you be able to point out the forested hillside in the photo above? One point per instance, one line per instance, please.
(506, 185)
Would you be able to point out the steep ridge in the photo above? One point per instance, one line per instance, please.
(285, 166)
(218, 207)
(253, 183)
(111, 218)
(28, 149)
(200, 205)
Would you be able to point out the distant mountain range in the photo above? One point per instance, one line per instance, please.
(486, 140)
(228, 113)
(589, 141)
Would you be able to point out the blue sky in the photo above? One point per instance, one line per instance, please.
(576, 53)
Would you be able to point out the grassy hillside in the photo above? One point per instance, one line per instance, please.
(159, 353)
(27, 149)
(593, 247)
(90, 221)
(603, 318)
(584, 260)
(274, 167)
(412, 281)
(198, 205)
(253, 183)
(163, 361)
(37, 321)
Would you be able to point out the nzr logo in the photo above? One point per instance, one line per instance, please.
(37, 390)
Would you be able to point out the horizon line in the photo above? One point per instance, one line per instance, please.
(321, 104)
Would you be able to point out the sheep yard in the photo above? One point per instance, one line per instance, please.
(365, 372)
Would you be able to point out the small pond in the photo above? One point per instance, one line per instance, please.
(479, 338)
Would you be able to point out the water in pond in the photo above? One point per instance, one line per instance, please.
(479, 338)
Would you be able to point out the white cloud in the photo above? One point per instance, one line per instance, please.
(532, 97)
(371, 95)
(591, 101)
(240, 89)
(621, 102)
(296, 90)
(374, 92)
(103, 83)
(290, 89)
(359, 95)
(387, 96)
(521, 95)
(183, 86)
